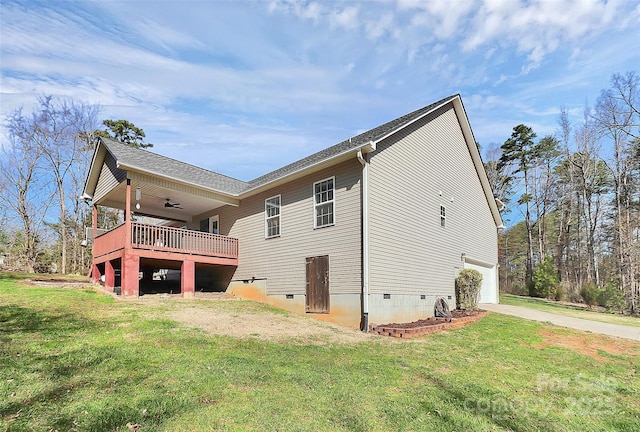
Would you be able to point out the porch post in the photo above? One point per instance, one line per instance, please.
(109, 275)
(95, 273)
(188, 279)
(127, 216)
(95, 222)
(130, 263)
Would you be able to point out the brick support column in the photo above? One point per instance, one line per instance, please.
(109, 276)
(95, 273)
(130, 275)
(188, 279)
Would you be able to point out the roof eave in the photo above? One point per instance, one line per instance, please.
(133, 168)
(364, 148)
(94, 170)
(324, 163)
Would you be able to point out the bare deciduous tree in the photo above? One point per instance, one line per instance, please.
(618, 119)
(53, 138)
(27, 192)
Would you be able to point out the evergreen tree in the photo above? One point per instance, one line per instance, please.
(125, 132)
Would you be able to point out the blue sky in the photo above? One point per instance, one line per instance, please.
(243, 88)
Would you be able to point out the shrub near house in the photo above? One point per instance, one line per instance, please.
(468, 286)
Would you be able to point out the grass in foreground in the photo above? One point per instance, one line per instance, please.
(562, 309)
(76, 360)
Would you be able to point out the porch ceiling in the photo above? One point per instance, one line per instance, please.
(153, 199)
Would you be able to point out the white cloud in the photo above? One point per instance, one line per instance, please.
(167, 38)
(313, 11)
(346, 18)
(443, 18)
(500, 80)
(538, 28)
(297, 76)
(385, 25)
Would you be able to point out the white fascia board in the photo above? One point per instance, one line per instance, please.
(477, 160)
(93, 175)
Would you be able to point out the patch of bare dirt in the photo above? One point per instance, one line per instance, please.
(588, 344)
(267, 326)
(57, 283)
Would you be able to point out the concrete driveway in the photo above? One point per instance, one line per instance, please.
(621, 331)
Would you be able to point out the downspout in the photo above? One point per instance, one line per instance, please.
(365, 241)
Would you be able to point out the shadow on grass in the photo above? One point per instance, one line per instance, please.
(10, 276)
(481, 401)
(19, 319)
(61, 407)
(79, 384)
(17, 276)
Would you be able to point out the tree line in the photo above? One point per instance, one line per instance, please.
(43, 167)
(577, 193)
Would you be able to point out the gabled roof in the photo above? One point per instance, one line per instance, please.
(144, 161)
(350, 145)
(130, 158)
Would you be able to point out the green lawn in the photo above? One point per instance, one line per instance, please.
(561, 309)
(76, 360)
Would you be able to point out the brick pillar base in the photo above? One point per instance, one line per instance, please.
(109, 276)
(188, 279)
(130, 276)
(95, 273)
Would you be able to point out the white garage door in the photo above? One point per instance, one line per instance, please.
(489, 289)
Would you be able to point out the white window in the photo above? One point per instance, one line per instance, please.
(443, 216)
(272, 216)
(324, 204)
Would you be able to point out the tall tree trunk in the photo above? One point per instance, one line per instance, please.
(529, 268)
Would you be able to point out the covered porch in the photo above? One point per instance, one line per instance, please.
(140, 258)
(169, 237)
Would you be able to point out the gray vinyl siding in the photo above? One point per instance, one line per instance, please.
(410, 252)
(282, 259)
(110, 177)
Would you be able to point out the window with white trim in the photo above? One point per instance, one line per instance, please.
(324, 204)
(443, 216)
(272, 216)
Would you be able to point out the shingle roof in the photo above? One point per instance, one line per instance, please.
(143, 160)
(147, 161)
(350, 144)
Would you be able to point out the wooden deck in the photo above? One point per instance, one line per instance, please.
(158, 242)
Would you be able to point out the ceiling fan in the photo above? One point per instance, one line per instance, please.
(169, 204)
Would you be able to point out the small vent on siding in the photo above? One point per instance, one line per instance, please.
(423, 297)
(386, 296)
(289, 296)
